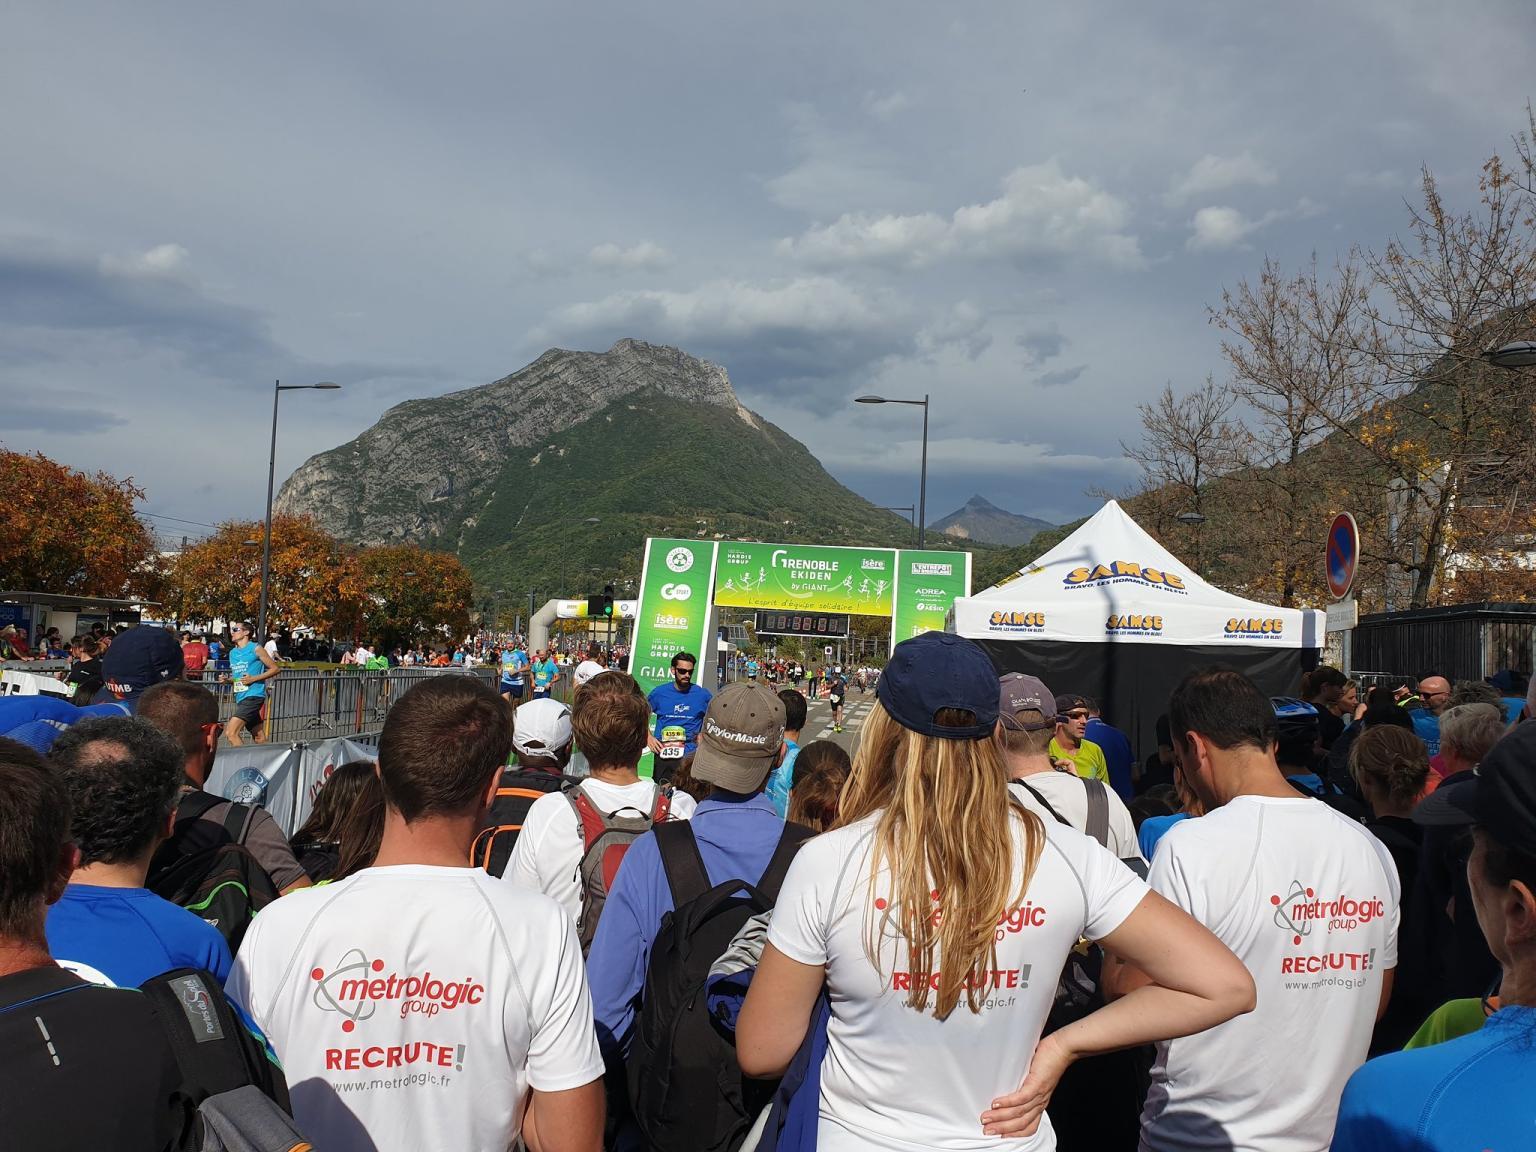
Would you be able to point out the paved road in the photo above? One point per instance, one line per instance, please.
(818, 723)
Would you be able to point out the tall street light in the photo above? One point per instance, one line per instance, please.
(1516, 354)
(922, 484)
(278, 388)
(907, 508)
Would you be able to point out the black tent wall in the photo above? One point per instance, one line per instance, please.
(1133, 681)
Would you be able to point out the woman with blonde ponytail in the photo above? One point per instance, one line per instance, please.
(939, 914)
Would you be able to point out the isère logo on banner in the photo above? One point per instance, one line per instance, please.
(680, 560)
(676, 591)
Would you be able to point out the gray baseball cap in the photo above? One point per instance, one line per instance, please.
(1021, 693)
(740, 738)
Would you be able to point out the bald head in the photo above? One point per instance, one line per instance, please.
(1435, 691)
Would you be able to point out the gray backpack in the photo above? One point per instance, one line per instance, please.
(605, 837)
(246, 1120)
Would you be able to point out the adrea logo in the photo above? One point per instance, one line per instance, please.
(354, 988)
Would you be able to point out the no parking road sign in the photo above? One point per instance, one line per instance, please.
(1343, 554)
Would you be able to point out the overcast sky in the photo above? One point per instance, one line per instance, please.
(1022, 209)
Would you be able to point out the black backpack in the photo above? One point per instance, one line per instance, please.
(686, 1089)
(516, 794)
(1078, 992)
(207, 869)
(235, 1093)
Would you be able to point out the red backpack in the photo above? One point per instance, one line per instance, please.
(605, 837)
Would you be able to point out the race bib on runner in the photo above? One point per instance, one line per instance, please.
(674, 742)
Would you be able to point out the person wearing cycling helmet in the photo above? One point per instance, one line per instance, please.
(1297, 727)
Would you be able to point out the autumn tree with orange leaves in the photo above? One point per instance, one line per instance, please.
(67, 531)
(410, 595)
(402, 594)
(313, 578)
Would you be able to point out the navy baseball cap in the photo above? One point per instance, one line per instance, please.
(937, 670)
(141, 658)
(1501, 797)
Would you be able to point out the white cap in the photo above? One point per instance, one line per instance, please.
(541, 728)
(585, 671)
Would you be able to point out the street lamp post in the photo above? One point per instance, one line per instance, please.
(278, 388)
(907, 508)
(922, 483)
(1196, 520)
(1516, 354)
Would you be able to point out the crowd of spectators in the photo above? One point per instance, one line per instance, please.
(1275, 932)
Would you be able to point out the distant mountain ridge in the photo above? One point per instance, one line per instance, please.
(643, 439)
(981, 520)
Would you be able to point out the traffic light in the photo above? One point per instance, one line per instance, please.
(601, 607)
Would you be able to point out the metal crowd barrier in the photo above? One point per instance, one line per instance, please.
(317, 704)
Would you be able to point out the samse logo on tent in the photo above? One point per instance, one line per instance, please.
(1018, 621)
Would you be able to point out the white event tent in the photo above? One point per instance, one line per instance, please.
(1110, 613)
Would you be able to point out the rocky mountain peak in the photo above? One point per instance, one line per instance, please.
(405, 477)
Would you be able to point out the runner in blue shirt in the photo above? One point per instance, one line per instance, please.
(514, 670)
(249, 668)
(545, 673)
(679, 706)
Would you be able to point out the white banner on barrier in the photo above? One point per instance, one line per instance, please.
(262, 774)
(283, 778)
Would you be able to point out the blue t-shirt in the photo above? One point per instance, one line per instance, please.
(544, 673)
(1426, 726)
(512, 665)
(1117, 754)
(36, 721)
(1469, 1093)
(1153, 829)
(127, 935)
(244, 662)
(782, 779)
(684, 709)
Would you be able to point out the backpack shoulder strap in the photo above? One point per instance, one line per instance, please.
(1098, 811)
(686, 874)
(592, 823)
(1044, 803)
(237, 821)
(663, 806)
(195, 804)
(790, 840)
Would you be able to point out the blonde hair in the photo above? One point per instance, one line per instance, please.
(945, 832)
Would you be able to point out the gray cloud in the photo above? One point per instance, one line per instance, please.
(1041, 344)
(70, 414)
(379, 218)
(1061, 376)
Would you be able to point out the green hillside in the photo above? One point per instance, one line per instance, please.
(652, 465)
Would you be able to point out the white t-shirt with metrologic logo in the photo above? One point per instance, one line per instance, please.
(1309, 900)
(895, 1078)
(413, 1006)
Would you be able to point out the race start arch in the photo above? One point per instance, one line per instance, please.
(682, 582)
